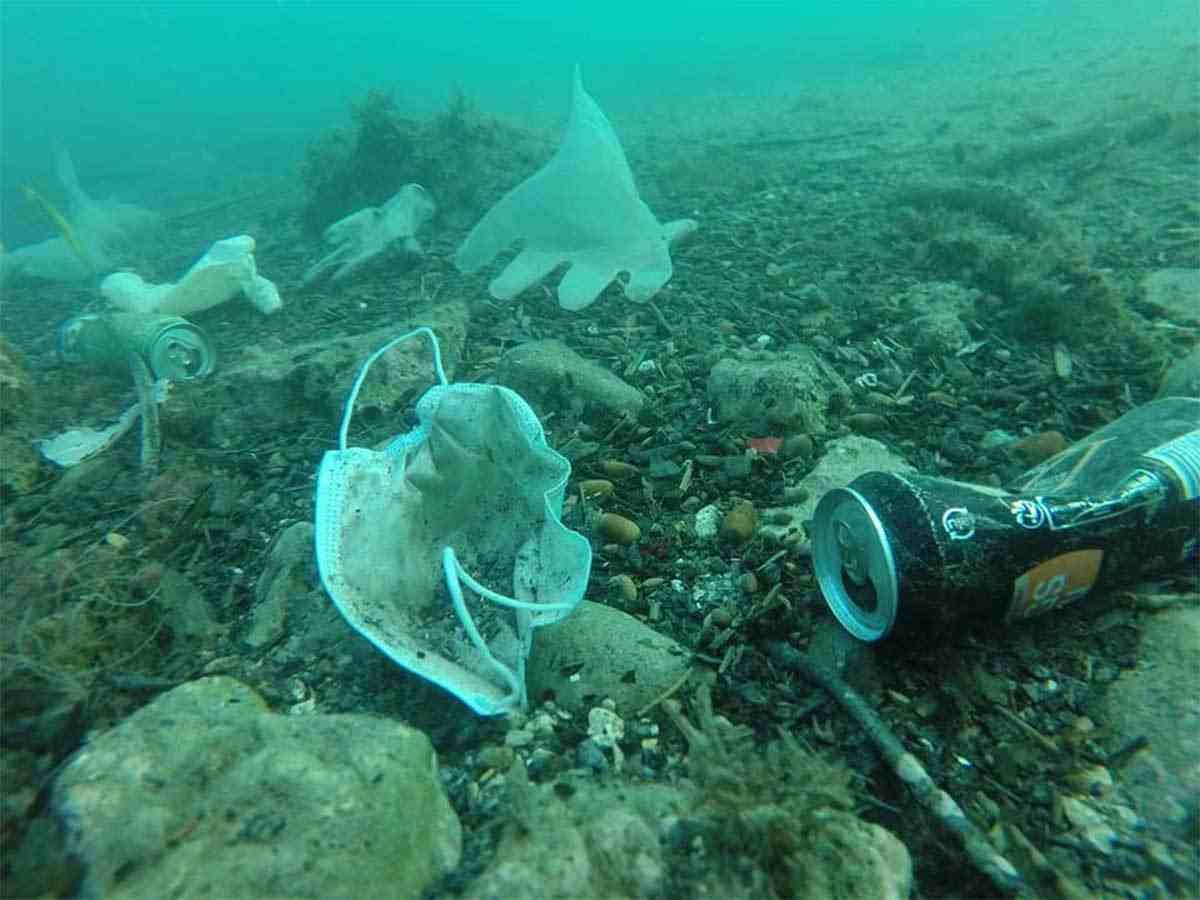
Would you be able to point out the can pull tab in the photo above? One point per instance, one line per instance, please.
(854, 563)
(183, 360)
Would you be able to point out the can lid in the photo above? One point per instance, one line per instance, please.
(854, 564)
(181, 352)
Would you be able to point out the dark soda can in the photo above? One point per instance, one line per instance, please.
(894, 549)
(172, 347)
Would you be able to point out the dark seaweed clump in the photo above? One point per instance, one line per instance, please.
(463, 157)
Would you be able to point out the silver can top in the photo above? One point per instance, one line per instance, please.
(855, 568)
(181, 352)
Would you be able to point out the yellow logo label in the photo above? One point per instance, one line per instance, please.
(1054, 583)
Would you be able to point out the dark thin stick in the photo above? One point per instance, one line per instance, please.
(1124, 753)
(660, 318)
(219, 206)
(999, 871)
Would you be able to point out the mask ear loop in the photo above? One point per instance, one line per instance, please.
(438, 371)
(456, 576)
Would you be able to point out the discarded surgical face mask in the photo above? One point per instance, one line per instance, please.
(445, 549)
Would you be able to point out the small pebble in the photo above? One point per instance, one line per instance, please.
(866, 423)
(740, 523)
(614, 468)
(995, 438)
(595, 487)
(1062, 360)
(116, 540)
(708, 522)
(624, 589)
(1095, 781)
(953, 446)
(542, 764)
(958, 372)
(589, 756)
(797, 446)
(795, 493)
(605, 727)
(1039, 447)
(618, 529)
(518, 737)
(498, 758)
(720, 617)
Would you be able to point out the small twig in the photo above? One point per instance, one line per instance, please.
(662, 320)
(774, 558)
(665, 695)
(1125, 752)
(621, 423)
(219, 206)
(1029, 730)
(999, 871)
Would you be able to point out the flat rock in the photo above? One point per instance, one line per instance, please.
(1160, 700)
(599, 652)
(1174, 294)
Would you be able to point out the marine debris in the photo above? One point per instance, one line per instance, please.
(582, 210)
(226, 270)
(91, 234)
(364, 235)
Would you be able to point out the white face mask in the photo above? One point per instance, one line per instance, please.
(475, 489)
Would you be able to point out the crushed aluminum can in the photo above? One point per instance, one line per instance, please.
(894, 550)
(172, 347)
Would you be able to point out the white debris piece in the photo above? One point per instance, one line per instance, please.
(365, 234)
(226, 270)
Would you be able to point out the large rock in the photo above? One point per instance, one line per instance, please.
(602, 840)
(206, 793)
(601, 844)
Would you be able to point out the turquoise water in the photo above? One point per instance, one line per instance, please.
(144, 86)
